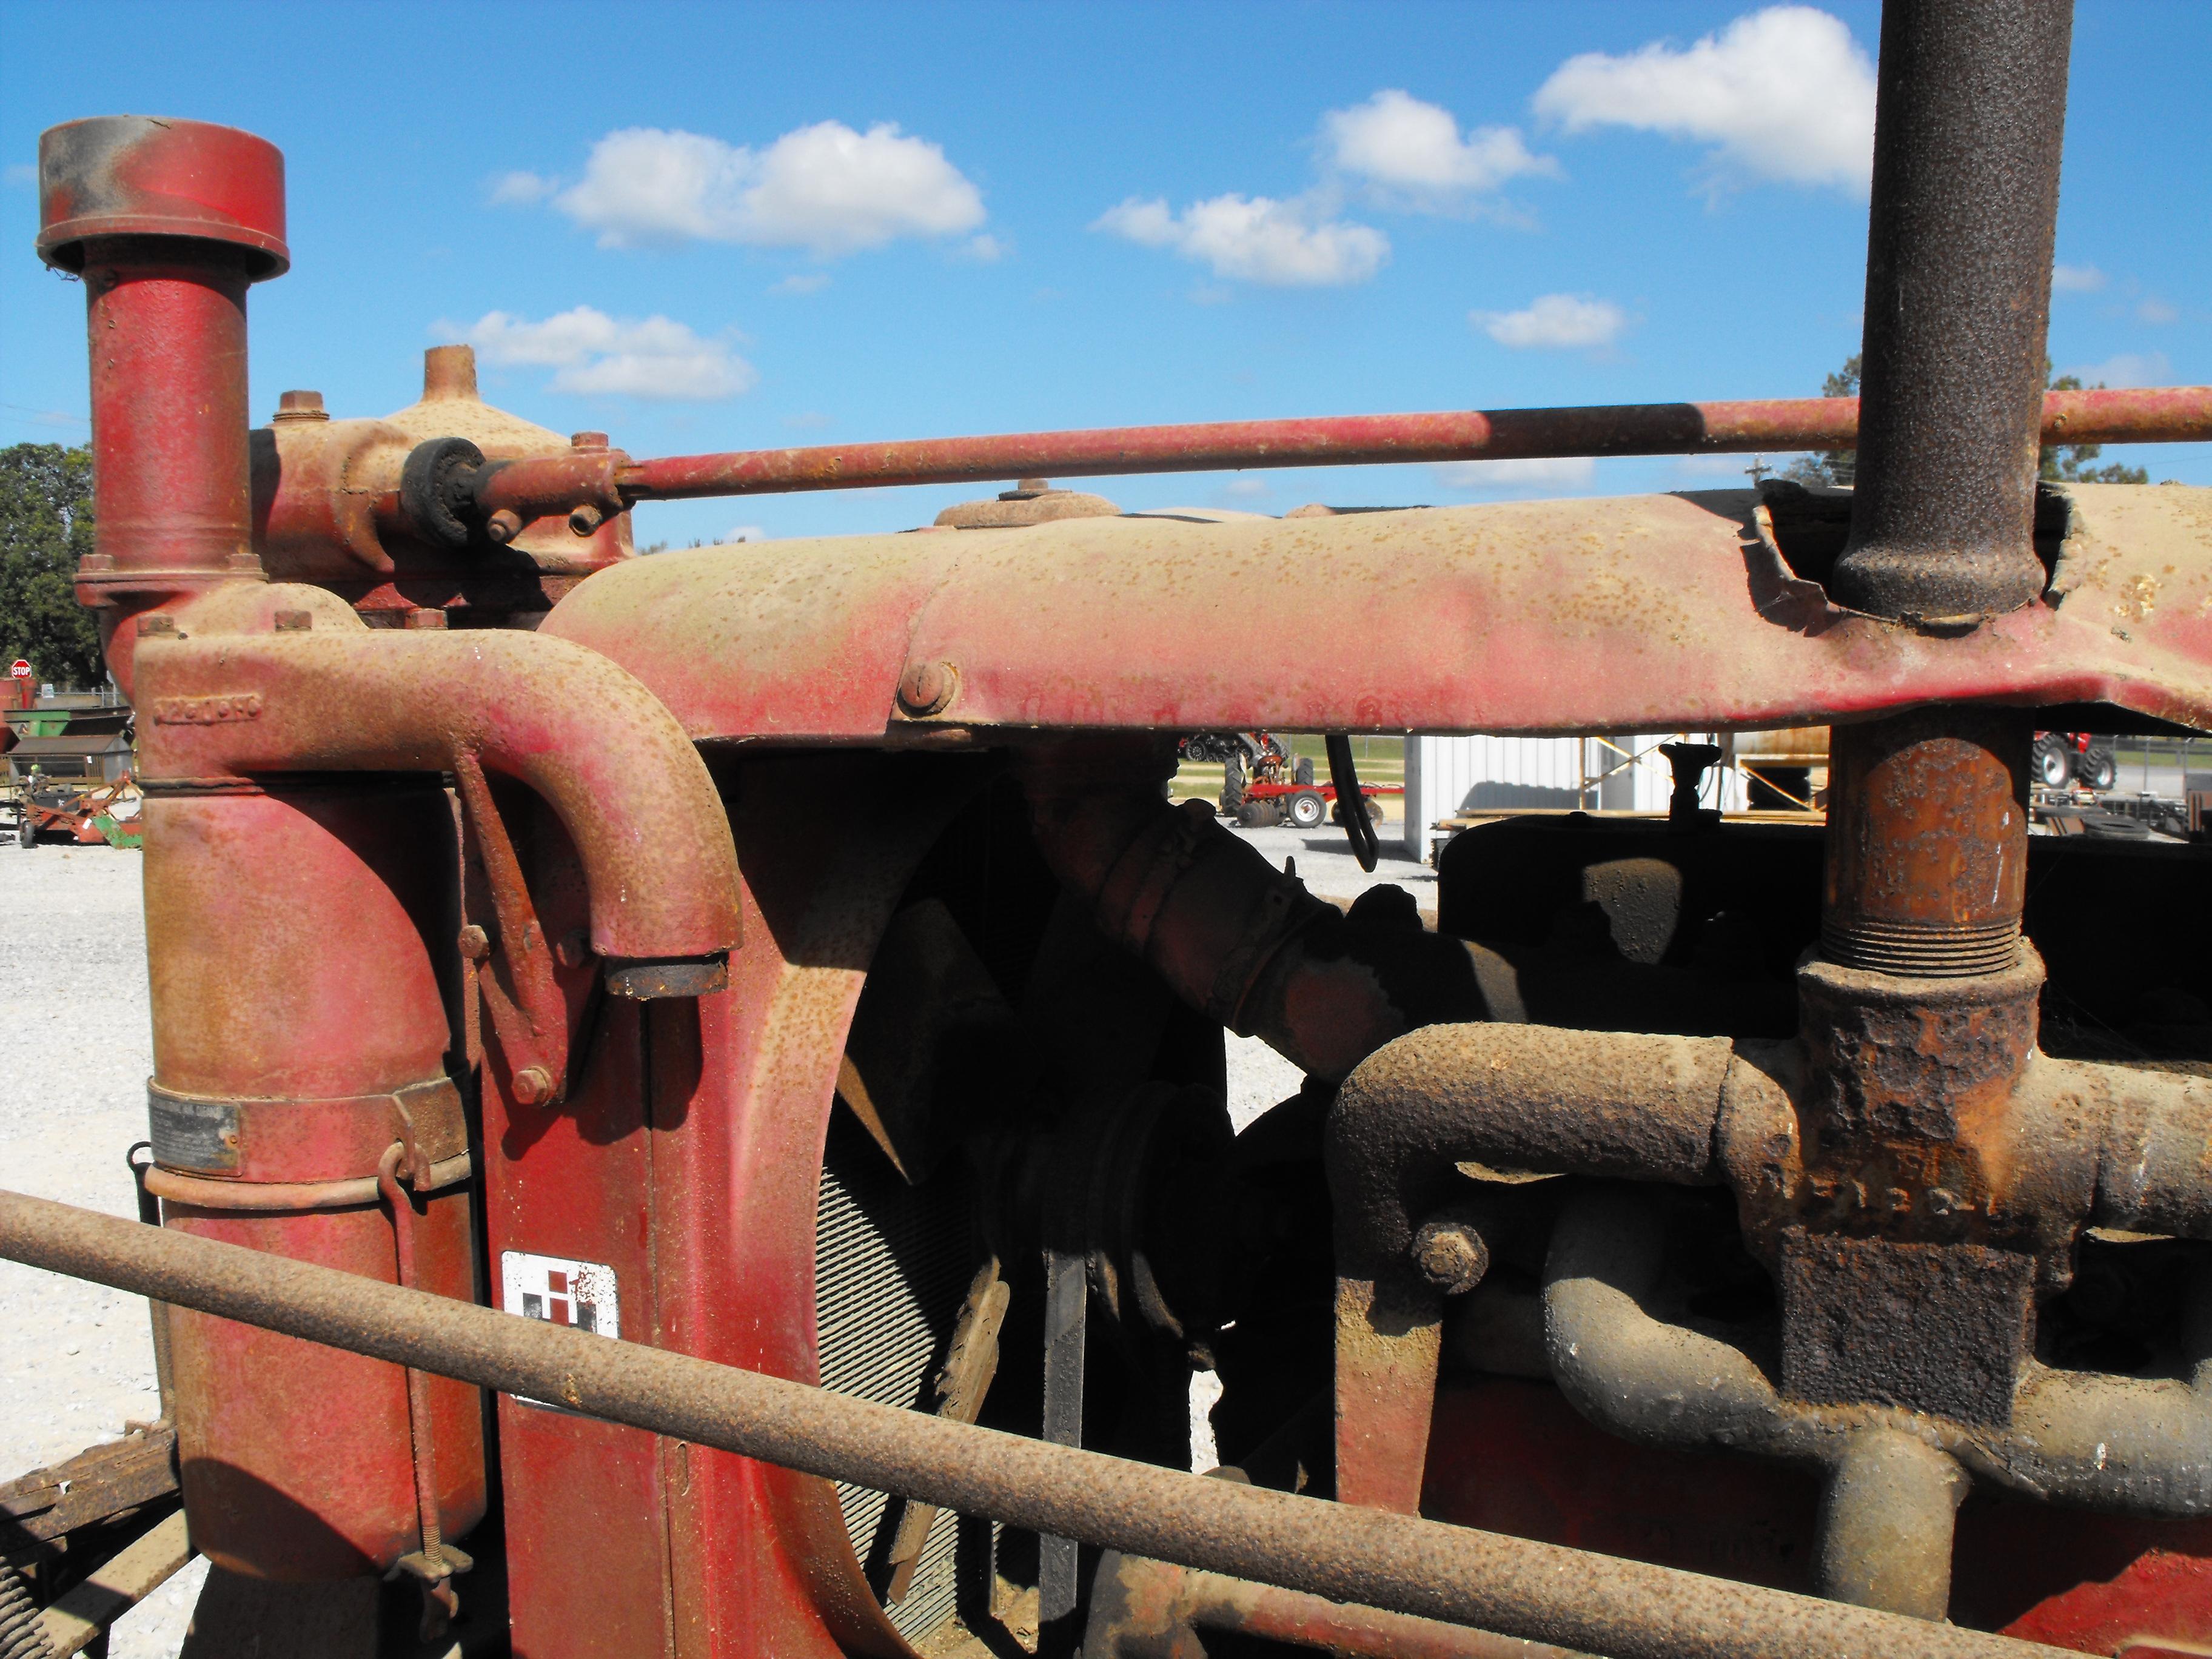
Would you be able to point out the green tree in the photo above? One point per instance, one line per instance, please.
(45, 527)
(2061, 464)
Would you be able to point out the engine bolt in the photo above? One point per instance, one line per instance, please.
(927, 688)
(504, 525)
(1451, 1255)
(586, 519)
(531, 1086)
(475, 943)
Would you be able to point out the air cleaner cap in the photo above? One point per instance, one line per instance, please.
(144, 175)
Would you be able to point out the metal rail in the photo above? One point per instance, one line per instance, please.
(1540, 1592)
(2156, 415)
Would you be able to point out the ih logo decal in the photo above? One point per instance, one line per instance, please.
(553, 1288)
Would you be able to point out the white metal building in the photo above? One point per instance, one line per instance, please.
(1616, 774)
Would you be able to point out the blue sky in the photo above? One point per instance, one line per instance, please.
(1034, 216)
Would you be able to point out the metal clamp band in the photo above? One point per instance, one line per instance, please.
(203, 1193)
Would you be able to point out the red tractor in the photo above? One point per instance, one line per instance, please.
(2061, 759)
(689, 1112)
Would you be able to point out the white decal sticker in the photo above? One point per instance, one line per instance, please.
(581, 1295)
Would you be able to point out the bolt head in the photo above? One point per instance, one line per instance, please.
(475, 943)
(533, 1087)
(587, 440)
(928, 688)
(1451, 1257)
(504, 525)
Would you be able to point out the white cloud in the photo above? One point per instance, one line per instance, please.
(807, 420)
(802, 281)
(520, 189)
(987, 250)
(596, 354)
(1783, 93)
(744, 532)
(1518, 477)
(2075, 279)
(1247, 488)
(1413, 153)
(22, 172)
(2152, 309)
(824, 188)
(1554, 322)
(2129, 368)
(1256, 239)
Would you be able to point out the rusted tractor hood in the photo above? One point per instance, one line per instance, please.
(1635, 613)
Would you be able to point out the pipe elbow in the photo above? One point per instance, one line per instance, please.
(1531, 1097)
(1630, 1373)
(603, 752)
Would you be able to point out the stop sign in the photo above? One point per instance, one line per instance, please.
(19, 669)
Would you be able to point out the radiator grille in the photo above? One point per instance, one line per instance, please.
(892, 1267)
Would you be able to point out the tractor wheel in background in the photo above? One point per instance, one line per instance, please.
(1307, 808)
(2098, 766)
(1232, 784)
(1303, 773)
(2053, 760)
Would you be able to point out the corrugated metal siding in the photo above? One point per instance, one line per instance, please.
(891, 1265)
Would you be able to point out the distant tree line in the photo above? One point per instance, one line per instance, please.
(45, 527)
(2062, 463)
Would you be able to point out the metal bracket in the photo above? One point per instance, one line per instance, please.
(528, 1012)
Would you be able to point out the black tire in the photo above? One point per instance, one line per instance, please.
(1375, 808)
(1306, 810)
(2053, 761)
(1232, 784)
(2097, 766)
(1303, 773)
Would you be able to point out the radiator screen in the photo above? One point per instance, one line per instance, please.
(891, 1265)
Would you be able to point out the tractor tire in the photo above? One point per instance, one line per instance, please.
(2098, 767)
(1375, 808)
(2053, 764)
(1232, 784)
(1306, 809)
(1303, 773)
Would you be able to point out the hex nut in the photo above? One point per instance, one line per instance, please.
(533, 1087)
(586, 519)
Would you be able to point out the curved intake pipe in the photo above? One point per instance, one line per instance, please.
(276, 678)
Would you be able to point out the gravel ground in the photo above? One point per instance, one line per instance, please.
(75, 1360)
